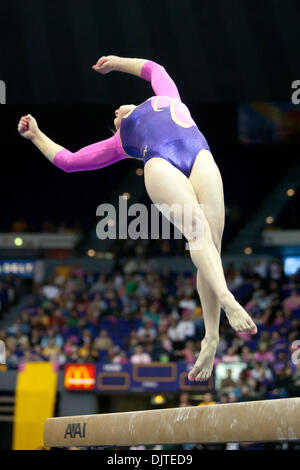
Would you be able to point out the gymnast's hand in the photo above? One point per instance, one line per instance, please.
(28, 127)
(106, 64)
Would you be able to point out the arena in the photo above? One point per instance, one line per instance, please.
(150, 252)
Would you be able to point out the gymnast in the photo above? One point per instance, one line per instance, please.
(179, 169)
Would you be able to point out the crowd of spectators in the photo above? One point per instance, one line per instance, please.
(148, 315)
(139, 314)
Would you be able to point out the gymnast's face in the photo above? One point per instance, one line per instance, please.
(120, 113)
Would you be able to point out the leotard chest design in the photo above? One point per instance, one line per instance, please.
(162, 127)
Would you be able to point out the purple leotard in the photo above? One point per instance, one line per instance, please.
(160, 127)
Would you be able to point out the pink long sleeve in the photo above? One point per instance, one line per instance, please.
(92, 157)
(161, 82)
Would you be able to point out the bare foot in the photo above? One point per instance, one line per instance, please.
(203, 366)
(237, 316)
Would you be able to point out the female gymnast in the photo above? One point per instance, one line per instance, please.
(179, 169)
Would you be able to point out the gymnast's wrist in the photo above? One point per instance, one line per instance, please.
(121, 64)
(37, 137)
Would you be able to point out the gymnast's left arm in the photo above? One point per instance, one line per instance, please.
(92, 157)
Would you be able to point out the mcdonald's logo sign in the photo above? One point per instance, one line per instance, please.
(80, 376)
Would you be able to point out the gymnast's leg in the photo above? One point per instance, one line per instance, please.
(207, 183)
(165, 184)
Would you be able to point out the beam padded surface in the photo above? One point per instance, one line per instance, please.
(272, 420)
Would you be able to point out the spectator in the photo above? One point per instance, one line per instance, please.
(231, 355)
(207, 400)
(188, 303)
(246, 394)
(292, 302)
(166, 343)
(140, 357)
(120, 358)
(52, 351)
(51, 291)
(283, 382)
(152, 313)
(174, 333)
(276, 270)
(103, 341)
(188, 353)
(263, 354)
(261, 268)
(147, 329)
(184, 400)
(224, 398)
(246, 355)
(258, 389)
(52, 334)
(186, 326)
(262, 374)
(228, 382)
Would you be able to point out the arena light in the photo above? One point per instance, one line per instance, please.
(248, 250)
(269, 219)
(18, 241)
(126, 196)
(158, 400)
(91, 253)
(290, 192)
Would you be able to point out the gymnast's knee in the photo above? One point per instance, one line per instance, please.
(196, 229)
(217, 239)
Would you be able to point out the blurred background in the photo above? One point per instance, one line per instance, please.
(94, 326)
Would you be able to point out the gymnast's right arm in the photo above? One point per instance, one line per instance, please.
(92, 157)
(161, 82)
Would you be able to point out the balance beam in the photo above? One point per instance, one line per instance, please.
(257, 421)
